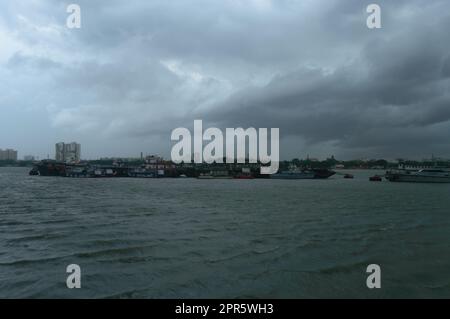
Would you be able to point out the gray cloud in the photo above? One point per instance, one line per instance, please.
(136, 70)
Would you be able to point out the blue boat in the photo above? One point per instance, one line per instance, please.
(304, 174)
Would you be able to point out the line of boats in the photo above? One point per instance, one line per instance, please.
(53, 168)
(426, 175)
(308, 173)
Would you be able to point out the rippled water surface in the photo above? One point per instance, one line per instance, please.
(173, 238)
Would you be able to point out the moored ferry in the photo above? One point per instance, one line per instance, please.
(429, 175)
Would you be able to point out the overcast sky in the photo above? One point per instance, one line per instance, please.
(138, 69)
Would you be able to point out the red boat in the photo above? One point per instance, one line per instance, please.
(376, 178)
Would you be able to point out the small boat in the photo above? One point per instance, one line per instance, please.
(376, 178)
(348, 176)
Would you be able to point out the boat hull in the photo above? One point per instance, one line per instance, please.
(412, 178)
(292, 176)
(50, 169)
(306, 174)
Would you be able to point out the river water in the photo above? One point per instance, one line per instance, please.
(189, 238)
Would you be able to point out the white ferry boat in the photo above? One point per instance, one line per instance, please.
(428, 175)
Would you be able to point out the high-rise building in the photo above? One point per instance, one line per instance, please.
(70, 152)
(59, 151)
(8, 155)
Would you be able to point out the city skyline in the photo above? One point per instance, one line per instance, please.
(144, 155)
(123, 81)
(20, 155)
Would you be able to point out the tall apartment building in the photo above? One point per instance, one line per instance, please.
(8, 155)
(69, 153)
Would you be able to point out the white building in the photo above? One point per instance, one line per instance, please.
(8, 155)
(69, 153)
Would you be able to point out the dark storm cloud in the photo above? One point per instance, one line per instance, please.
(138, 69)
(393, 98)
